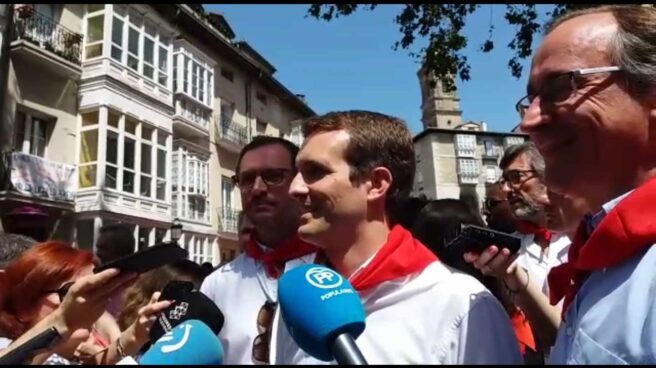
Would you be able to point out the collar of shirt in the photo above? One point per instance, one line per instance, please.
(592, 220)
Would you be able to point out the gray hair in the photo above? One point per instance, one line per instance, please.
(535, 158)
(633, 47)
(12, 246)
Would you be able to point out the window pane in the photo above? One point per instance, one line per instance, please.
(128, 153)
(159, 235)
(146, 167)
(146, 133)
(117, 54)
(117, 31)
(148, 71)
(161, 189)
(133, 63)
(128, 181)
(145, 186)
(149, 50)
(133, 41)
(92, 51)
(19, 131)
(130, 125)
(89, 146)
(161, 163)
(163, 59)
(144, 235)
(112, 119)
(95, 28)
(162, 79)
(112, 147)
(161, 138)
(90, 118)
(110, 177)
(87, 176)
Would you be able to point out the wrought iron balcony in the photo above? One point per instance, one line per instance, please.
(49, 35)
(229, 130)
(228, 220)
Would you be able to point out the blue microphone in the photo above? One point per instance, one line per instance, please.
(323, 313)
(189, 343)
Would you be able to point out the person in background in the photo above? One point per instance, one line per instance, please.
(436, 227)
(247, 288)
(12, 246)
(36, 285)
(496, 208)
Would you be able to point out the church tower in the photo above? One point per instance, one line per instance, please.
(440, 109)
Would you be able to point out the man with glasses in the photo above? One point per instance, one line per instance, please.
(597, 137)
(246, 289)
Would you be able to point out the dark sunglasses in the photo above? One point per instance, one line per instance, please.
(514, 176)
(261, 342)
(62, 291)
(270, 177)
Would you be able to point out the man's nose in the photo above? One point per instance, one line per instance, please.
(533, 118)
(297, 188)
(259, 185)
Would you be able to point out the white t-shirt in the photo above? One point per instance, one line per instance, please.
(437, 316)
(240, 289)
(538, 262)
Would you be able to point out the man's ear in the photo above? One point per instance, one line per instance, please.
(380, 180)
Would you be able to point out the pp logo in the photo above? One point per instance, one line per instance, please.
(179, 311)
(323, 278)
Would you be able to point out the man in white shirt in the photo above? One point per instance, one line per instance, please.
(246, 289)
(354, 169)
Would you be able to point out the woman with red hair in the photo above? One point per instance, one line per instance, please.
(36, 283)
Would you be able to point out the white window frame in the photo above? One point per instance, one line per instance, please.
(465, 145)
(35, 134)
(101, 12)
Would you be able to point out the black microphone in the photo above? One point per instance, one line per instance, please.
(22, 353)
(189, 305)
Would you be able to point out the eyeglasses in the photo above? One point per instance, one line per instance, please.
(490, 203)
(514, 177)
(559, 88)
(62, 291)
(261, 342)
(270, 177)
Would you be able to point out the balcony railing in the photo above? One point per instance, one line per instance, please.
(33, 176)
(232, 131)
(228, 220)
(49, 35)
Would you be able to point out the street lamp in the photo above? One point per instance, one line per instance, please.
(176, 230)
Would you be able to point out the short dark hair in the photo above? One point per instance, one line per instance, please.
(118, 239)
(375, 140)
(535, 158)
(265, 140)
(12, 246)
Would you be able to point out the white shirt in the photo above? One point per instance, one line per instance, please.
(240, 289)
(436, 316)
(537, 261)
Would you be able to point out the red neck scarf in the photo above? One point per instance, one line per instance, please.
(523, 331)
(542, 234)
(627, 229)
(274, 260)
(400, 256)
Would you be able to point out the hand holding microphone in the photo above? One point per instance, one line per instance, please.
(323, 313)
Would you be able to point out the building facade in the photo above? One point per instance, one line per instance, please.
(134, 114)
(455, 159)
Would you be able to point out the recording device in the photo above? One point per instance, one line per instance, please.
(189, 305)
(21, 354)
(475, 239)
(189, 343)
(147, 259)
(323, 313)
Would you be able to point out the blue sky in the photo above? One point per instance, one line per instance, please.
(349, 63)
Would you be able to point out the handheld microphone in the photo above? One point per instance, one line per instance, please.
(189, 343)
(323, 313)
(189, 304)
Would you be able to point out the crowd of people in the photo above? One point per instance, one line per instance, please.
(580, 289)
